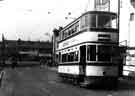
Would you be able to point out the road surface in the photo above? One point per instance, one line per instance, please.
(36, 81)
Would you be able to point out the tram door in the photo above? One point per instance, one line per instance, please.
(83, 59)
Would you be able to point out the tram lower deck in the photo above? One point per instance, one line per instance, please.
(90, 65)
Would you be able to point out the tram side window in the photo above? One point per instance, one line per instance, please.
(91, 52)
(92, 20)
(73, 56)
(64, 57)
(104, 53)
(77, 27)
(63, 35)
(84, 21)
(66, 33)
(76, 56)
(114, 22)
(59, 57)
(70, 57)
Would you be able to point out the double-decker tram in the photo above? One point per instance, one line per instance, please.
(88, 48)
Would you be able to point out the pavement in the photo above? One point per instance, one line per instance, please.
(43, 81)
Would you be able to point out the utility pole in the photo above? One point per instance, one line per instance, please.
(118, 18)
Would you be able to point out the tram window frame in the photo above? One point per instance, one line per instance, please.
(66, 33)
(64, 57)
(74, 28)
(61, 35)
(76, 56)
(104, 54)
(77, 27)
(104, 21)
(114, 22)
(59, 57)
(70, 57)
(93, 20)
(87, 20)
(91, 53)
(84, 21)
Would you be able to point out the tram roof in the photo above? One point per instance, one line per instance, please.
(91, 12)
(99, 12)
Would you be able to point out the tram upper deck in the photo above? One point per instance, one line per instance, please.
(92, 26)
(93, 21)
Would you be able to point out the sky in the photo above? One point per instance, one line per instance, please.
(35, 19)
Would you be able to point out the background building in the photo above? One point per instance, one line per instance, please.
(126, 13)
(126, 9)
(127, 22)
(17, 48)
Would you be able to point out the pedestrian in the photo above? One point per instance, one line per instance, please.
(1, 76)
(14, 62)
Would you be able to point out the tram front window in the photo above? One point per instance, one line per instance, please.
(104, 53)
(106, 21)
(103, 21)
(93, 20)
(91, 52)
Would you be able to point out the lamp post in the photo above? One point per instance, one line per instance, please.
(55, 35)
(3, 50)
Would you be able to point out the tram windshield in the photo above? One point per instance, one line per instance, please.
(103, 53)
(103, 21)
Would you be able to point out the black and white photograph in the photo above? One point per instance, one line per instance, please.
(67, 47)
